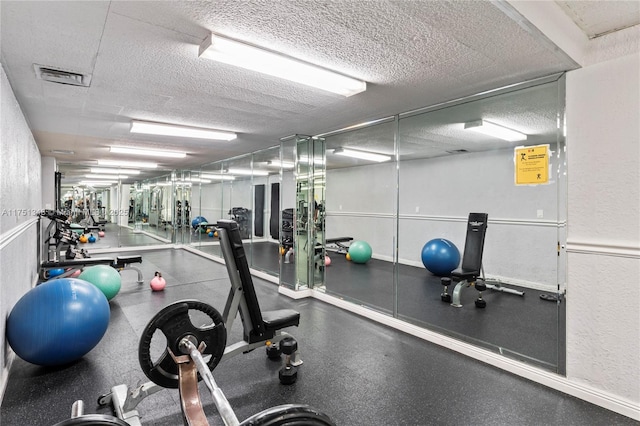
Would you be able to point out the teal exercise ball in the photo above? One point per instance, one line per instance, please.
(360, 252)
(58, 322)
(106, 278)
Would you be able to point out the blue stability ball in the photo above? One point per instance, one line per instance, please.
(55, 272)
(197, 221)
(58, 322)
(440, 256)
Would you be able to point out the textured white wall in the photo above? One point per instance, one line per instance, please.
(603, 295)
(20, 200)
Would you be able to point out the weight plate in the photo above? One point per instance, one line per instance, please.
(93, 420)
(175, 323)
(289, 415)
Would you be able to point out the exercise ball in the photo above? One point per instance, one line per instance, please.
(157, 282)
(55, 272)
(327, 261)
(104, 277)
(58, 322)
(360, 252)
(101, 234)
(92, 238)
(195, 223)
(440, 256)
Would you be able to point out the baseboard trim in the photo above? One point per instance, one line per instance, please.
(543, 377)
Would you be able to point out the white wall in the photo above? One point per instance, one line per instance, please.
(436, 196)
(603, 294)
(49, 168)
(21, 199)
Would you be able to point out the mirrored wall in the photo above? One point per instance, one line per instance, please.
(435, 168)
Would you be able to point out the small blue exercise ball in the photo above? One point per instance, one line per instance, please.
(440, 256)
(58, 322)
(52, 273)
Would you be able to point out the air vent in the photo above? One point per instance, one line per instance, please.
(457, 151)
(62, 77)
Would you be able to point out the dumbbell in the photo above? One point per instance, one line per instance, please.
(445, 296)
(288, 374)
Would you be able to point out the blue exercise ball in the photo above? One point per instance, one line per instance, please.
(197, 221)
(58, 322)
(52, 273)
(440, 256)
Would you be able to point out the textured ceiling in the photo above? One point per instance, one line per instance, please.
(142, 57)
(598, 17)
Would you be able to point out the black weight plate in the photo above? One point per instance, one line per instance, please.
(93, 420)
(289, 415)
(175, 323)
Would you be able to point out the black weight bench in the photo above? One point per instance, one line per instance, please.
(260, 329)
(471, 272)
(120, 263)
(338, 242)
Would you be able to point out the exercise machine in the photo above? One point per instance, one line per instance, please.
(242, 217)
(260, 329)
(338, 245)
(471, 272)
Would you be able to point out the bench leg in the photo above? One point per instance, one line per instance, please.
(140, 279)
(456, 293)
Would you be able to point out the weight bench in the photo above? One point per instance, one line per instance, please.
(471, 273)
(338, 242)
(260, 329)
(120, 263)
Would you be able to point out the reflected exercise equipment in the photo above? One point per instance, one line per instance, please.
(471, 272)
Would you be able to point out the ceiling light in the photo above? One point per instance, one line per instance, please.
(195, 179)
(96, 176)
(118, 163)
(147, 152)
(217, 177)
(363, 155)
(181, 131)
(283, 164)
(114, 171)
(495, 130)
(275, 64)
(248, 172)
(62, 151)
(98, 182)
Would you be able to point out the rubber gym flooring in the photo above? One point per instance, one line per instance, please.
(357, 371)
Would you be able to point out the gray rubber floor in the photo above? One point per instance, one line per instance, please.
(357, 371)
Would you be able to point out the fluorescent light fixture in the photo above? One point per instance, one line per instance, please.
(96, 176)
(495, 130)
(249, 172)
(283, 164)
(165, 129)
(217, 177)
(114, 171)
(306, 160)
(134, 164)
(254, 58)
(195, 180)
(98, 182)
(147, 152)
(363, 155)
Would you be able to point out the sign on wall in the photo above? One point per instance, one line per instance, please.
(531, 165)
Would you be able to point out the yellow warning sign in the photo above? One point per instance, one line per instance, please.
(532, 164)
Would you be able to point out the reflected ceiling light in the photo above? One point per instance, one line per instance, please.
(316, 160)
(114, 171)
(195, 180)
(495, 130)
(217, 177)
(363, 155)
(283, 164)
(97, 176)
(147, 152)
(118, 163)
(249, 172)
(165, 129)
(254, 58)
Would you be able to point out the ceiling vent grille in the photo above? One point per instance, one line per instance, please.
(62, 77)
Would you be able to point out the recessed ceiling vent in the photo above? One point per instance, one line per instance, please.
(62, 77)
(457, 151)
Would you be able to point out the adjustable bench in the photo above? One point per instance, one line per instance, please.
(120, 263)
(260, 329)
(338, 242)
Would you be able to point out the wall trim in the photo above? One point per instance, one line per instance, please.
(16, 231)
(132, 248)
(603, 248)
(543, 377)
